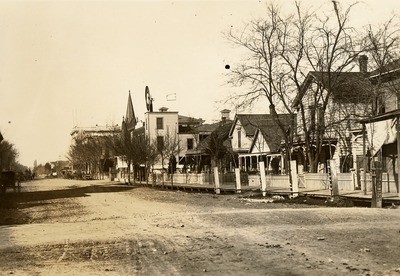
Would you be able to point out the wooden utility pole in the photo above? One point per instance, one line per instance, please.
(398, 154)
(376, 199)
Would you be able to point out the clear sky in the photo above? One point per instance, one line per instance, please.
(73, 62)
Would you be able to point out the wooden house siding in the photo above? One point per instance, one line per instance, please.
(259, 144)
(245, 142)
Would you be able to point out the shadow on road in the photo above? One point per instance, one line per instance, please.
(14, 200)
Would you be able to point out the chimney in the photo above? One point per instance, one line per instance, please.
(225, 115)
(363, 63)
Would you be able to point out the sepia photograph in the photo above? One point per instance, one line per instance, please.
(199, 137)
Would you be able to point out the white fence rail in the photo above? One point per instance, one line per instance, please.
(308, 181)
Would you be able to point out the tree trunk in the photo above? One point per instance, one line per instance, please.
(129, 172)
(146, 173)
(134, 175)
(311, 162)
(162, 170)
(288, 165)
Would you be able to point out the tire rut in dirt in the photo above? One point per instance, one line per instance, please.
(127, 257)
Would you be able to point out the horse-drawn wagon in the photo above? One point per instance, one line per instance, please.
(9, 179)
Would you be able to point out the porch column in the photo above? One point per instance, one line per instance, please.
(245, 163)
(269, 163)
(258, 162)
(365, 160)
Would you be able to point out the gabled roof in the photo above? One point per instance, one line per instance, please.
(222, 130)
(96, 130)
(252, 122)
(347, 87)
(386, 72)
(188, 124)
(272, 137)
(186, 120)
(208, 128)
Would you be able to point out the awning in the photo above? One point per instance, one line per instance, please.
(382, 117)
(381, 133)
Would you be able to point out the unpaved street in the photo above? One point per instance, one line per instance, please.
(56, 227)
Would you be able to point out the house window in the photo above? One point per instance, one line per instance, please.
(160, 123)
(160, 143)
(190, 143)
(239, 138)
(316, 116)
(381, 104)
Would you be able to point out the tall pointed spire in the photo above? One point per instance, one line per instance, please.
(130, 118)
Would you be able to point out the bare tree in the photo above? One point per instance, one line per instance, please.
(149, 154)
(383, 49)
(264, 71)
(85, 153)
(92, 153)
(168, 148)
(282, 50)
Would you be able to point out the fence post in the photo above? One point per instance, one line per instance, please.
(263, 179)
(216, 178)
(295, 181)
(353, 178)
(332, 171)
(238, 183)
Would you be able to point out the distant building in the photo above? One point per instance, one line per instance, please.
(198, 157)
(93, 153)
(168, 128)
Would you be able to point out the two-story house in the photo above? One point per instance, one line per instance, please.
(170, 129)
(382, 130)
(329, 106)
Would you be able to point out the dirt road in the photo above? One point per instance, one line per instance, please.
(65, 227)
